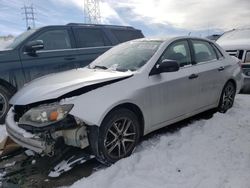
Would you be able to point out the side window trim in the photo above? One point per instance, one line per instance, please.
(192, 53)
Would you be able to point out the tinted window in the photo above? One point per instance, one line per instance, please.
(55, 39)
(203, 51)
(178, 51)
(90, 38)
(20, 38)
(125, 35)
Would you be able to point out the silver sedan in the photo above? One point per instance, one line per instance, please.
(126, 93)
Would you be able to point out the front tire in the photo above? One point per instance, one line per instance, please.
(5, 96)
(119, 134)
(227, 97)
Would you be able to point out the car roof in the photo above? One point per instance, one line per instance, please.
(165, 39)
(100, 25)
(93, 26)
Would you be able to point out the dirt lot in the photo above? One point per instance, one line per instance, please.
(33, 172)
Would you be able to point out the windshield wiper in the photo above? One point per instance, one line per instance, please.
(100, 67)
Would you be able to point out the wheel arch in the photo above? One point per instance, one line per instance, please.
(135, 109)
(8, 86)
(229, 80)
(233, 81)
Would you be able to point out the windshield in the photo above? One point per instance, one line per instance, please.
(235, 34)
(21, 38)
(127, 56)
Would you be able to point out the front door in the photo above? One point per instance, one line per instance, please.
(174, 94)
(56, 56)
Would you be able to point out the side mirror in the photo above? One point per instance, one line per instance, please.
(33, 46)
(168, 66)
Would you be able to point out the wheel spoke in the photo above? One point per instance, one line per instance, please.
(119, 149)
(111, 142)
(127, 126)
(128, 140)
(116, 128)
(115, 135)
(129, 134)
(112, 148)
(3, 105)
(124, 147)
(123, 126)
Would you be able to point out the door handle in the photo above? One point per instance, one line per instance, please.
(69, 58)
(221, 68)
(193, 76)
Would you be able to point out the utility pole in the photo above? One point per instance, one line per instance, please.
(92, 11)
(29, 16)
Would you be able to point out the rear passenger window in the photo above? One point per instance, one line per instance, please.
(90, 38)
(203, 51)
(55, 39)
(178, 51)
(125, 35)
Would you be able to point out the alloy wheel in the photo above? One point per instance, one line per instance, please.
(228, 97)
(3, 105)
(120, 138)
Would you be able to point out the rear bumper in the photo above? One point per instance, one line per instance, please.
(23, 138)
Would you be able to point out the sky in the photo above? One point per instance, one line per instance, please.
(153, 17)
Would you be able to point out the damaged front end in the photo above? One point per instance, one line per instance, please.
(46, 128)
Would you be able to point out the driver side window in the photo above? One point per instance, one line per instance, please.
(178, 51)
(55, 39)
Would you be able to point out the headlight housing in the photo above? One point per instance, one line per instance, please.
(42, 116)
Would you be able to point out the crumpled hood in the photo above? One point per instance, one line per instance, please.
(56, 85)
(240, 44)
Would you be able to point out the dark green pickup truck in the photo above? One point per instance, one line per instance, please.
(51, 49)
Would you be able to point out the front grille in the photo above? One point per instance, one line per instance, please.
(236, 53)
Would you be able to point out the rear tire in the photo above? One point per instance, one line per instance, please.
(118, 136)
(5, 96)
(227, 97)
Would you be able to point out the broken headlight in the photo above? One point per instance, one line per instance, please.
(42, 116)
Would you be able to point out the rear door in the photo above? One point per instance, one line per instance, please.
(90, 43)
(174, 94)
(56, 56)
(211, 66)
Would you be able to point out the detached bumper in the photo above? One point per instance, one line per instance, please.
(22, 137)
